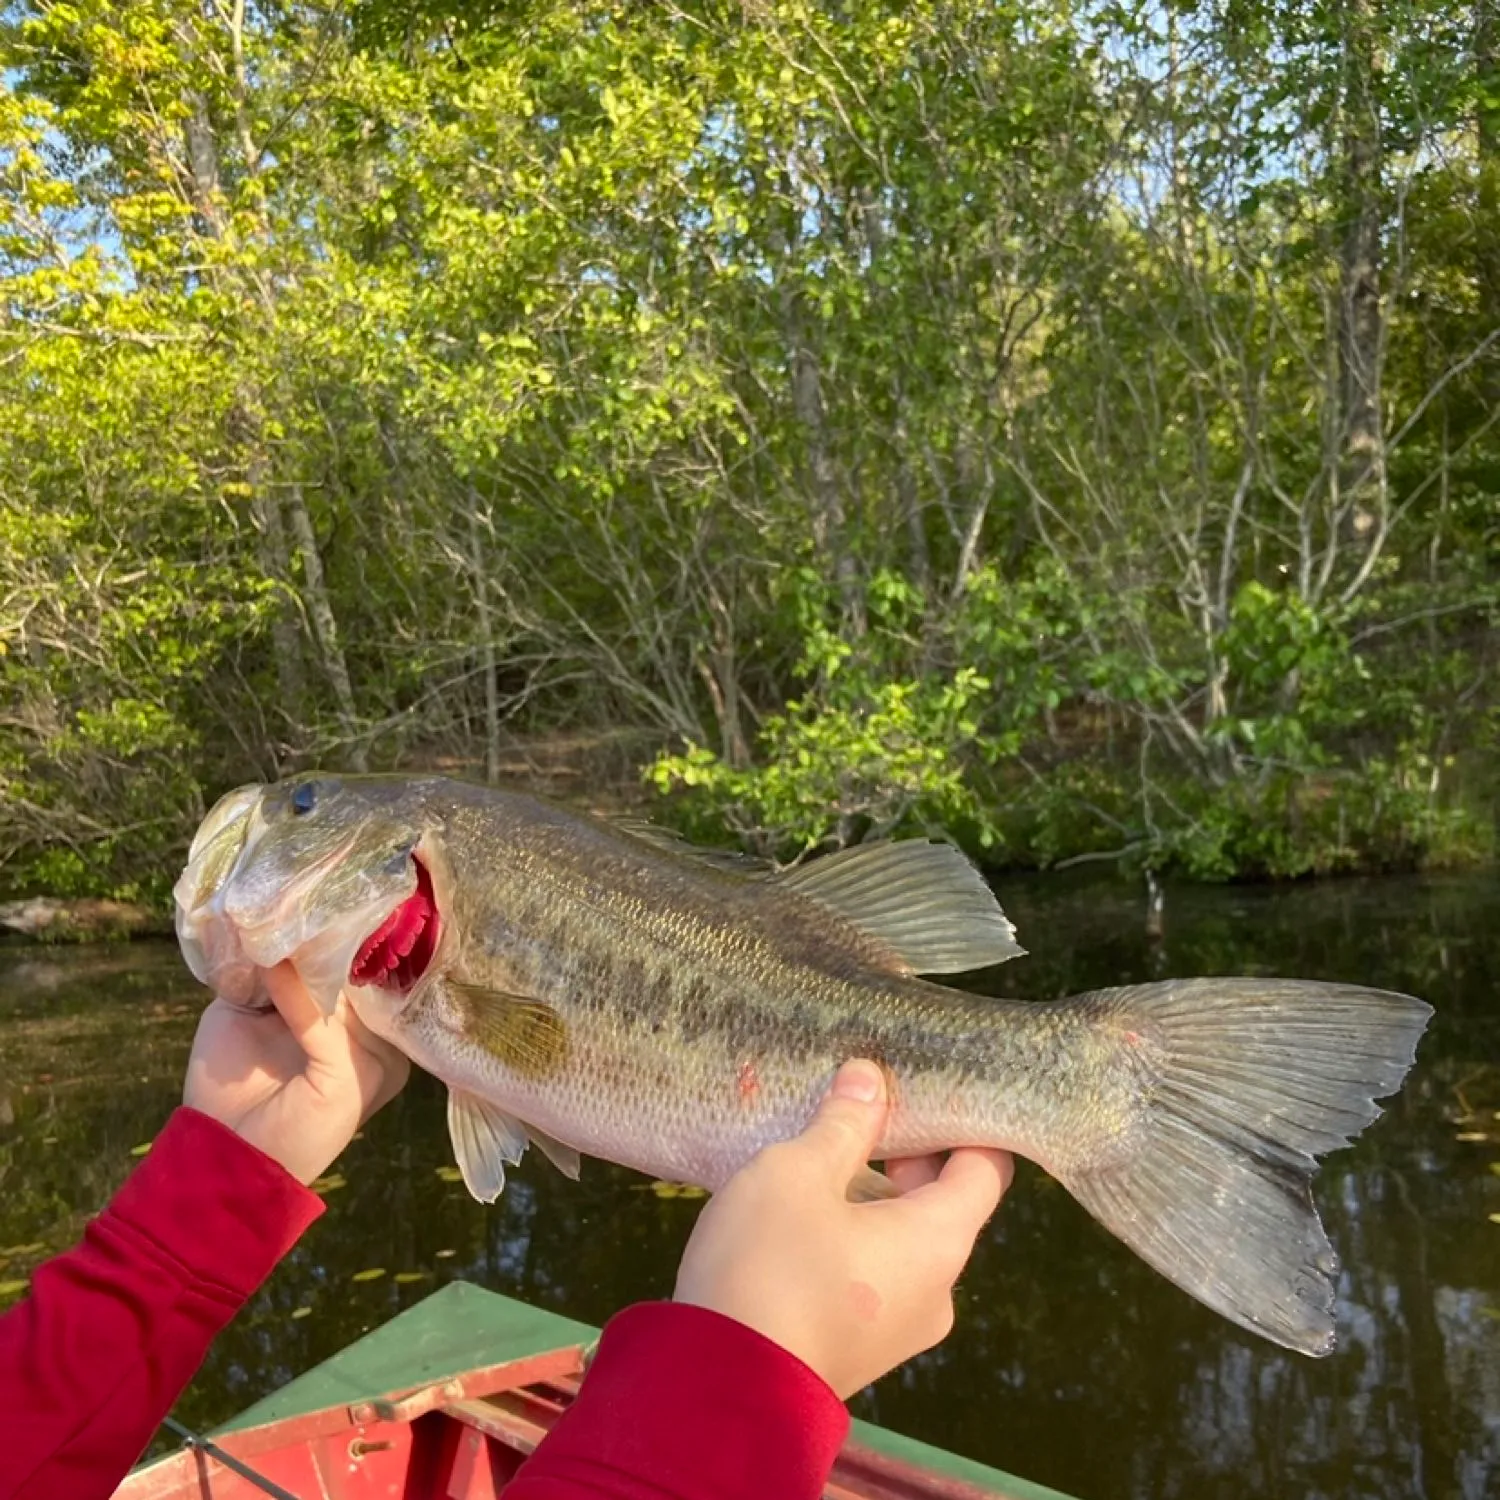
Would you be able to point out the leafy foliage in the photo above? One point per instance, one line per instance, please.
(1074, 430)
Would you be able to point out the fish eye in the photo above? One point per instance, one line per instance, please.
(304, 797)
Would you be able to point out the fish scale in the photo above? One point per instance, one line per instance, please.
(610, 991)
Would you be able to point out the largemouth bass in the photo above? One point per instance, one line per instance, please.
(603, 990)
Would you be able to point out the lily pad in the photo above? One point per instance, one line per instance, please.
(373, 1274)
(677, 1190)
(140, 1150)
(405, 1278)
(330, 1182)
(301, 1312)
(450, 1174)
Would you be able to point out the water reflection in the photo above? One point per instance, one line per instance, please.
(1073, 1363)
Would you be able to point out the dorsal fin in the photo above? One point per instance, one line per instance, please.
(673, 843)
(923, 900)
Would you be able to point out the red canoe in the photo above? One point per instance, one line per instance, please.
(449, 1397)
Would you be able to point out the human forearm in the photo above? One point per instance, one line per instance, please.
(112, 1331)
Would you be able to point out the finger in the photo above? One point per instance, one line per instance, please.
(911, 1172)
(967, 1191)
(844, 1132)
(393, 1065)
(303, 1015)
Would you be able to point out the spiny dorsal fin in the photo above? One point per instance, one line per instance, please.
(527, 1035)
(673, 843)
(923, 900)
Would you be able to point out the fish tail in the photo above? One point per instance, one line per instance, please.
(1240, 1085)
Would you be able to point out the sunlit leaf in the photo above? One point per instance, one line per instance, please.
(329, 1183)
(405, 1278)
(450, 1174)
(13, 1288)
(301, 1312)
(140, 1150)
(373, 1274)
(445, 1254)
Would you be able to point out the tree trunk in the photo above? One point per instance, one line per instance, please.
(829, 523)
(1361, 319)
(325, 625)
(1487, 147)
(276, 563)
(826, 503)
(203, 165)
(909, 498)
(1487, 69)
(487, 662)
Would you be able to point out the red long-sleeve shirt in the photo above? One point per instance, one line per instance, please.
(111, 1332)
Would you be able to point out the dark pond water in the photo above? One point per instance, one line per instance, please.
(1072, 1363)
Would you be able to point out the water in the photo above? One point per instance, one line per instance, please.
(1073, 1363)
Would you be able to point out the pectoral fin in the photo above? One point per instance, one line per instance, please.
(525, 1034)
(485, 1141)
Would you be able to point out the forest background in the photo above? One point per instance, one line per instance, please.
(1074, 427)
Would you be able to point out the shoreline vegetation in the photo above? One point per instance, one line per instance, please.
(575, 770)
(1074, 432)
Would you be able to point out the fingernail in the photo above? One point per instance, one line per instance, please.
(858, 1080)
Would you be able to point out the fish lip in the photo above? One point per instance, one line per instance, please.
(250, 930)
(412, 962)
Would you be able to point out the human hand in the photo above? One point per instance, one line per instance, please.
(852, 1289)
(290, 1081)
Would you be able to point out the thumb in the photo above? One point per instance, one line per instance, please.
(847, 1127)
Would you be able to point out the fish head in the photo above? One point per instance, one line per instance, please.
(209, 943)
(323, 870)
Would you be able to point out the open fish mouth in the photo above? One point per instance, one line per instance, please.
(396, 955)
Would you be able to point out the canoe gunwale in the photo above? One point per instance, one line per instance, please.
(180, 1474)
(422, 1395)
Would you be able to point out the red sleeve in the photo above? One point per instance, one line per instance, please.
(110, 1333)
(683, 1402)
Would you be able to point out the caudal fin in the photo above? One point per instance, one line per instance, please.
(1245, 1083)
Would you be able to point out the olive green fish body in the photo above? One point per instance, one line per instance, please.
(607, 991)
(704, 1020)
